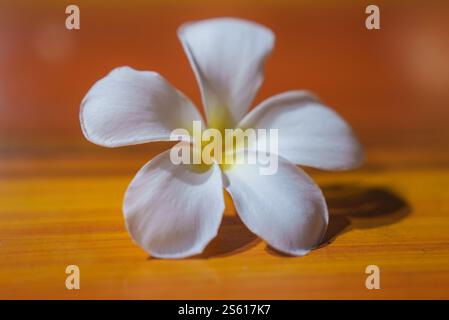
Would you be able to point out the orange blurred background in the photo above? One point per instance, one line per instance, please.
(390, 84)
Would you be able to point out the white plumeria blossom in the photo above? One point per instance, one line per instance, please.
(174, 211)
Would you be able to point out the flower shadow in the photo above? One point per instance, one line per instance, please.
(233, 237)
(358, 207)
(350, 207)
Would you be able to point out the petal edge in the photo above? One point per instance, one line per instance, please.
(165, 211)
(286, 209)
(310, 133)
(129, 107)
(227, 56)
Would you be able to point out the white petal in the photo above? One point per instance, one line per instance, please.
(130, 107)
(173, 211)
(286, 209)
(309, 133)
(227, 56)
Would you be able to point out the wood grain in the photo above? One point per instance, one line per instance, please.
(61, 197)
(66, 210)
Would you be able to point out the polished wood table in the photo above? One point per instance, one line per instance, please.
(60, 196)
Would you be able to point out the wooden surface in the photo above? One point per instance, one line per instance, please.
(60, 197)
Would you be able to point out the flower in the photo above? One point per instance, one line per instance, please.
(174, 211)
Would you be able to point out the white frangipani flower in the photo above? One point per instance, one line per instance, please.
(174, 211)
